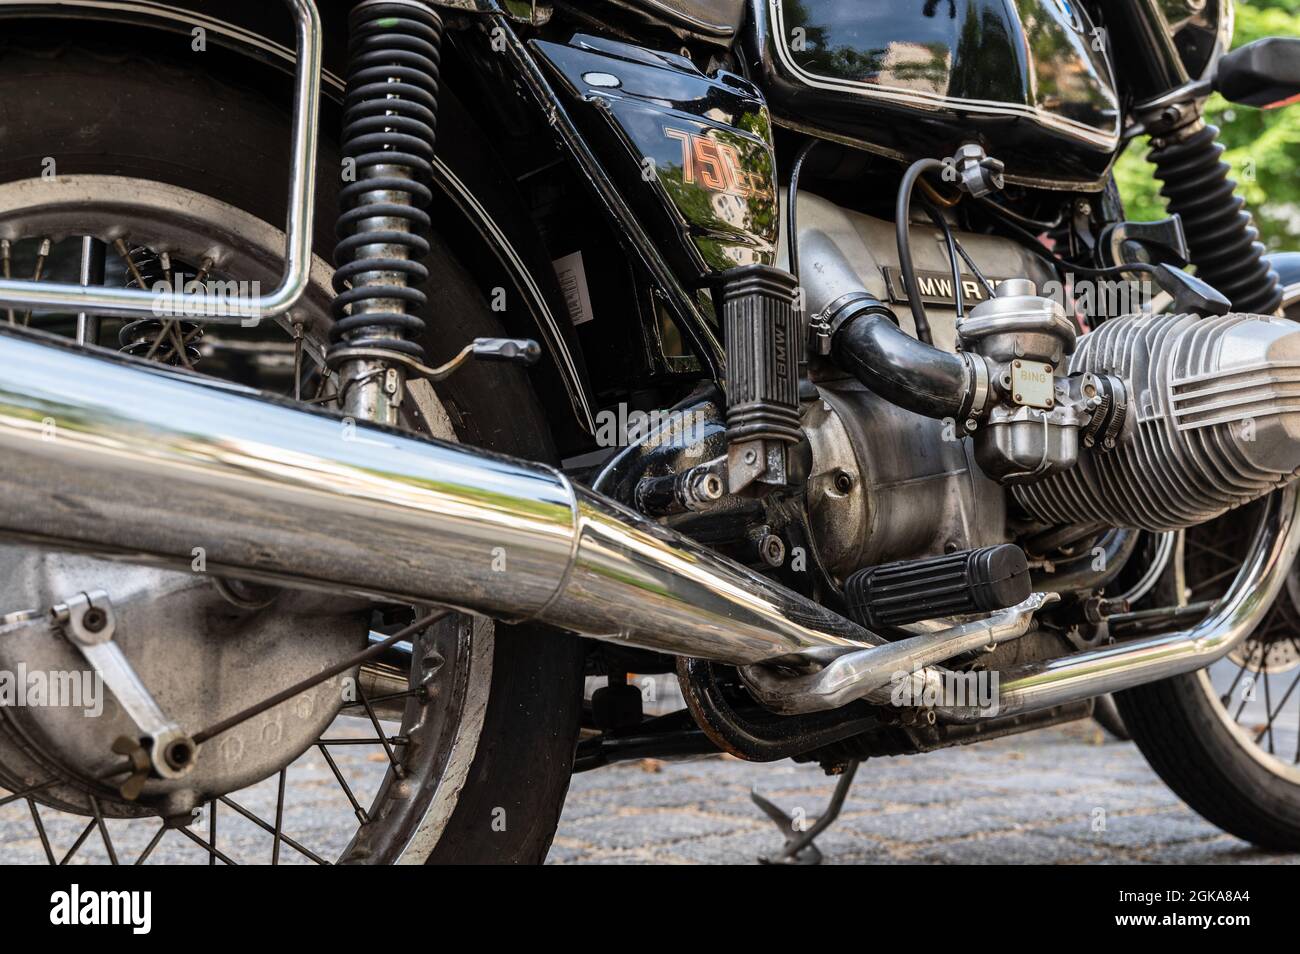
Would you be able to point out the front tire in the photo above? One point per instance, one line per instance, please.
(1190, 729)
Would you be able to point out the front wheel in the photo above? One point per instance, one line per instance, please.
(1226, 739)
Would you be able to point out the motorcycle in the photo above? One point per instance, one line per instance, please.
(799, 350)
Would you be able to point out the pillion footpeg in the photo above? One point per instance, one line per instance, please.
(968, 581)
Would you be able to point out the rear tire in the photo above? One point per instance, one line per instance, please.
(107, 112)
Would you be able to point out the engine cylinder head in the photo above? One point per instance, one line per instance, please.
(1214, 422)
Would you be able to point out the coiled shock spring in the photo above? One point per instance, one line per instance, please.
(1224, 245)
(389, 124)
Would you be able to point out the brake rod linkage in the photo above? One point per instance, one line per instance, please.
(225, 725)
(369, 652)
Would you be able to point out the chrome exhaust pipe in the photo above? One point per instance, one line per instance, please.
(106, 454)
(873, 673)
(1233, 617)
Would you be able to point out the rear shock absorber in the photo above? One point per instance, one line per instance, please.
(1223, 243)
(389, 122)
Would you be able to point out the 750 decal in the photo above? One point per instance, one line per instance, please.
(715, 165)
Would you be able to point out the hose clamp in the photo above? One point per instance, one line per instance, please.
(824, 325)
(977, 387)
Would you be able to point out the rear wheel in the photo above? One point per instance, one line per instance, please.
(202, 183)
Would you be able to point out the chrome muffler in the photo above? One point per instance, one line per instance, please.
(104, 454)
(108, 455)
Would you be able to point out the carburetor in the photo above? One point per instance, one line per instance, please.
(1027, 418)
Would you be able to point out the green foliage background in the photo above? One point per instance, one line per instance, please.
(1263, 147)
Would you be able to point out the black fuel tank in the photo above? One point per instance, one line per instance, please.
(1029, 79)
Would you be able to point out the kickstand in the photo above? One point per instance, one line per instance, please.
(799, 848)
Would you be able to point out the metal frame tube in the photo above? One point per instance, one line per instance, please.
(124, 458)
(135, 303)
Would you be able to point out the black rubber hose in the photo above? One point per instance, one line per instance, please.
(950, 240)
(902, 227)
(910, 373)
(1224, 245)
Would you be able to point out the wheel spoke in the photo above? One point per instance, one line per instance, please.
(23, 793)
(279, 818)
(153, 843)
(85, 833)
(388, 697)
(277, 829)
(6, 250)
(1274, 713)
(379, 730)
(375, 649)
(1268, 708)
(1223, 574)
(1227, 696)
(356, 806)
(42, 253)
(40, 830)
(103, 830)
(297, 360)
(391, 740)
(212, 831)
(1213, 551)
(212, 852)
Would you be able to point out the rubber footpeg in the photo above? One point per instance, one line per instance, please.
(968, 581)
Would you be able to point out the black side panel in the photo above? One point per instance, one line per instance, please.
(693, 153)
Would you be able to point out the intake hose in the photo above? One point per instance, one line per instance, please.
(1224, 245)
(867, 343)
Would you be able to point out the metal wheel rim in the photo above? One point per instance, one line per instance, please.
(407, 815)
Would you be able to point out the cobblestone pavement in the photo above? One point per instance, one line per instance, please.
(1057, 796)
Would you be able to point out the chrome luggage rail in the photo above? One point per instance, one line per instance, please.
(135, 303)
